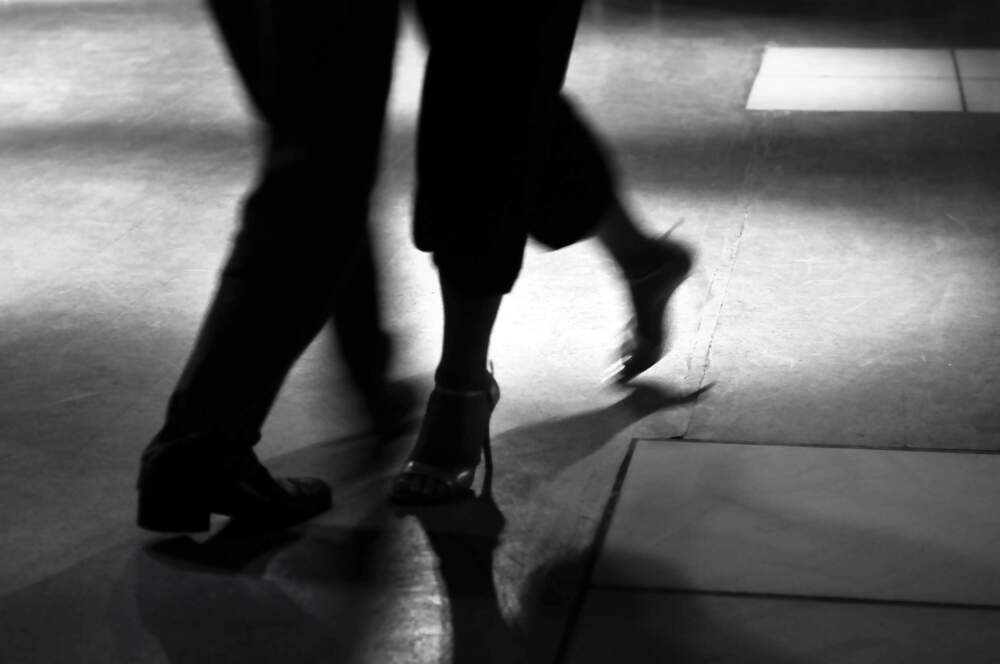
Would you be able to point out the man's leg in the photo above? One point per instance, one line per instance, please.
(300, 228)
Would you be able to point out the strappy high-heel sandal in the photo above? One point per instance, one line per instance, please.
(650, 293)
(459, 418)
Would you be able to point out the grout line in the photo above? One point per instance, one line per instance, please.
(866, 77)
(562, 652)
(799, 598)
(723, 276)
(958, 77)
(834, 446)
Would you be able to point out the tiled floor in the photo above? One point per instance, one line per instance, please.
(648, 628)
(845, 294)
(983, 95)
(980, 72)
(797, 553)
(889, 525)
(870, 79)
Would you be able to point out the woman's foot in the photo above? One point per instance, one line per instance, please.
(453, 436)
(650, 290)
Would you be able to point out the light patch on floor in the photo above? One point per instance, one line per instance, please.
(855, 94)
(856, 79)
(806, 521)
(855, 62)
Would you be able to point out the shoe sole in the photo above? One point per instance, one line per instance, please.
(164, 514)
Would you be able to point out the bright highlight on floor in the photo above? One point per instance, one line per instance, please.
(865, 79)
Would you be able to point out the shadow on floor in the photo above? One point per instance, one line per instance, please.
(537, 452)
(435, 587)
(315, 595)
(465, 537)
(233, 599)
(653, 628)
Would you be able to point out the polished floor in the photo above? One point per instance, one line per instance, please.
(804, 478)
(799, 553)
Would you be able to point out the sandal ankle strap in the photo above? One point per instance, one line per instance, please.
(490, 390)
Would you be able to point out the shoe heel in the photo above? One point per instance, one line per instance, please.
(167, 514)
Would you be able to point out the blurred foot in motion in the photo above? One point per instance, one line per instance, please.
(653, 268)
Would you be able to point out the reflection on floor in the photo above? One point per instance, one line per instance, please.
(844, 295)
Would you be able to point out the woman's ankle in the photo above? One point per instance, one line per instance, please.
(635, 252)
(462, 378)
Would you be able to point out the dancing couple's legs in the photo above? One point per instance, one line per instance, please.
(502, 156)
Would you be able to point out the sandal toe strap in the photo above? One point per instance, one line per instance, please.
(460, 478)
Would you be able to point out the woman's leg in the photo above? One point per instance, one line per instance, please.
(494, 71)
(577, 198)
(490, 101)
(652, 268)
(633, 250)
(468, 325)
(456, 425)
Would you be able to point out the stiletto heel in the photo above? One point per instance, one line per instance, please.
(460, 415)
(650, 293)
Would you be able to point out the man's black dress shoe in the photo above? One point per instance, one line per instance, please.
(179, 491)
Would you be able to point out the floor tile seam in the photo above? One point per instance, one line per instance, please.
(705, 336)
(835, 446)
(868, 112)
(981, 80)
(136, 539)
(979, 77)
(592, 555)
(722, 278)
(961, 86)
(791, 597)
(854, 77)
